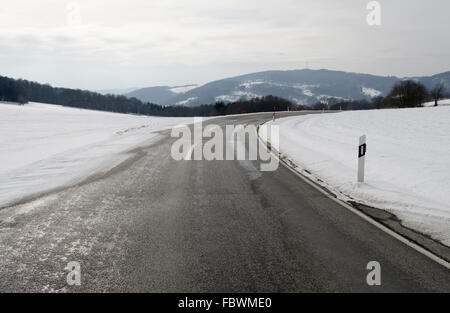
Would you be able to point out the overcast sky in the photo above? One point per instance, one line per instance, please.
(139, 43)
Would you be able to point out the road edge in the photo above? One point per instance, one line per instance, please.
(329, 194)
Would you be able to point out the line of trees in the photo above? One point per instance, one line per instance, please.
(12, 90)
(23, 91)
(343, 104)
(259, 104)
(409, 94)
(404, 94)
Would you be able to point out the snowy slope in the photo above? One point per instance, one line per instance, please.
(46, 146)
(440, 102)
(407, 165)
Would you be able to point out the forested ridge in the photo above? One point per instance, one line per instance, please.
(23, 91)
(406, 93)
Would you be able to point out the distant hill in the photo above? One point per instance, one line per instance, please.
(20, 91)
(117, 92)
(431, 81)
(159, 94)
(299, 86)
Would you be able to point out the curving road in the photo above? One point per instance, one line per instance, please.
(153, 224)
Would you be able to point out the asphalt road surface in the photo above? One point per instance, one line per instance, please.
(153, 224)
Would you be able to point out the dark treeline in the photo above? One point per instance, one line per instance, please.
(12, 90)
(339, 104)
(23, 91)
(260, 104)
(404, 94)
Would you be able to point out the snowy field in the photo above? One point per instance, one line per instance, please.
(407, 163)
(444, 102)
(47, 146)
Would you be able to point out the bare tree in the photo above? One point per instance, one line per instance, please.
(319, 106)
(437, 93)
(407, 94)
(378, 102)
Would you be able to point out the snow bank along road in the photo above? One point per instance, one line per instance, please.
(155, 224)
(407, 164)
(46, 146)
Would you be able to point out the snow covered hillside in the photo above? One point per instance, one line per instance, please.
(440, 102)
(299, 86)
(45, 146)
(407, 163)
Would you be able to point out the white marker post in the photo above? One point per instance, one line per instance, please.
(362, 149)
